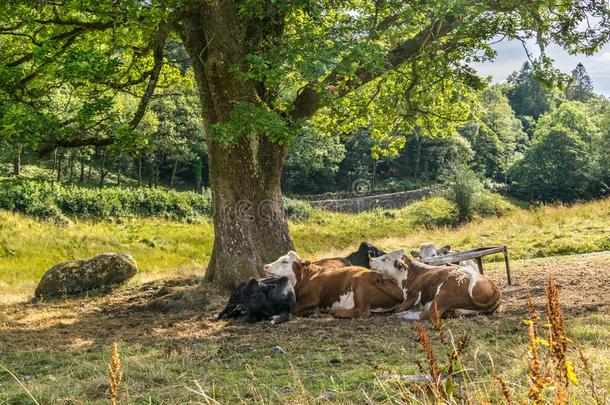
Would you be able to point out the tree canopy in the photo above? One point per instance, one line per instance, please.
(86, 73)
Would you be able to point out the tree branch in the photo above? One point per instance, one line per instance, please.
(159, 44)
(308, 100)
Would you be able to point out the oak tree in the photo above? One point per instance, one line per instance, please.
(263, 69)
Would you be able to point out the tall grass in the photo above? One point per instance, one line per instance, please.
(556, 366)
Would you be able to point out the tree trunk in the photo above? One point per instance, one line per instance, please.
(71, 167)
(118, 174)
(250, 227)
(151, 171)
(59, 159)
(173, 177)
(17, 162)
(81, 177)
(103, 169)
(139, 169)
(157, 173)
(374, 174)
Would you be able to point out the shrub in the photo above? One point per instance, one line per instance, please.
(51, 200)
(463, 187)
(433, 212)
(488, 203)
(296, 210)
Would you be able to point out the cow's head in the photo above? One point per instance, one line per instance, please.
(370, 251)
(390, 265)
(252, 295)
(283, 267)
(428, 250)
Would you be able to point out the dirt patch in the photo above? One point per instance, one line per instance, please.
(179, 311)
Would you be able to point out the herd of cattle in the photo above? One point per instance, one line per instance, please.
(367, 281)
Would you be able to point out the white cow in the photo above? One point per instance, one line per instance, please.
(428, 250)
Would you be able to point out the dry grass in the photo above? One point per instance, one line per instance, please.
(172, 351)
(170, 355)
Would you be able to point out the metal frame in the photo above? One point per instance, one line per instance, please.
(476, 254)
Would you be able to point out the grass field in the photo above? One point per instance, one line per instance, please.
(172, 350)
(29, 247)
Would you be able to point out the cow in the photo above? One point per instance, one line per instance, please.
(358, 258)
(346, 292)
(428, 250)
(268, 298)
(437, 289)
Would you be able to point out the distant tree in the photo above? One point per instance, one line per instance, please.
(580, 87)
(598, 108)
(496, 137)
(463, 186)
(527, 95)
(312, 162)
(426, 158)
(556, 167)
(571, 115)
(358, 162)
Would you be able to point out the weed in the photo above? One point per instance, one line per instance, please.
(115, 375)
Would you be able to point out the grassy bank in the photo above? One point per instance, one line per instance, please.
(29, 247)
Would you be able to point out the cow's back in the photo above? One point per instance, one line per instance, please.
(331, 285)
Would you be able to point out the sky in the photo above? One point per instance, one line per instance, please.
(511, 56)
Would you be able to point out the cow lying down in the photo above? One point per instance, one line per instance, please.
(360, 257)
(268, 298)
(428, 289)
(345, 292)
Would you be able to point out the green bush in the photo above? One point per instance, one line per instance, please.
(51, 200)
(463, 187)
(433, 212)
(488, 204)
(296, 210)
(557, 166)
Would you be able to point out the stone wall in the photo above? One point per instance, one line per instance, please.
(368, 203)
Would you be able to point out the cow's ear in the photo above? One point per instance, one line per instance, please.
(266, 287)
(445, 249)
(400, 265)
(414, 253)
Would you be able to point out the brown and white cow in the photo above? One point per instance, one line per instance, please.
(346, 292)
(437, 289)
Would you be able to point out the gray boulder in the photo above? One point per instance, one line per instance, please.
(79, 276)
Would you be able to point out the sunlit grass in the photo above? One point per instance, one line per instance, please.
(29, 247)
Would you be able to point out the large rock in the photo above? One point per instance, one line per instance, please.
(78, 276)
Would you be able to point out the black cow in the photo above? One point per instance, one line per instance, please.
(365, 252)
(268, 298)
(360, 257)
